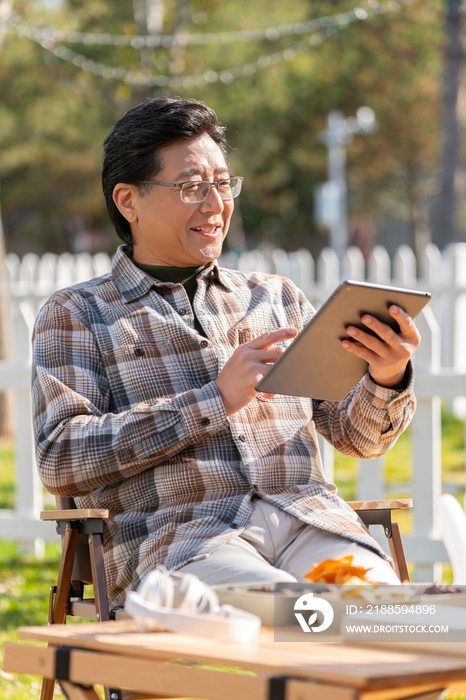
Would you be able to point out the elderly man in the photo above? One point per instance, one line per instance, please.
(143, 382)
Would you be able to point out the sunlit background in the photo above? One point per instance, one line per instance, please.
(273, 72)
(345, 118)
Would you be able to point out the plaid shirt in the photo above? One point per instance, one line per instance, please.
(127, 417)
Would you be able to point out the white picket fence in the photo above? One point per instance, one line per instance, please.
(440, 368)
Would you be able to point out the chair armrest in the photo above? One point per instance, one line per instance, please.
(394, 504)
(74, 514)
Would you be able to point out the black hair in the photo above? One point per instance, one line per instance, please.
(131, 148)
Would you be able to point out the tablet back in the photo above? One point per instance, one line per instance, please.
(315, 364)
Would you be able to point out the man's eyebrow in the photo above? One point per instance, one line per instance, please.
(197, 171)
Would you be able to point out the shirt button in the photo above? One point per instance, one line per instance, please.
(139, 352)
(254, 486)
(242, 438)
(234, 526)
(182, 312)
(204, 343)
(205, 420)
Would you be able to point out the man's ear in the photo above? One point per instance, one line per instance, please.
(126, 198)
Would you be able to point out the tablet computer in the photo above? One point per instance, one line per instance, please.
(315, 365)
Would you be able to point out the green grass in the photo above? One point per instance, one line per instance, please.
(398, 464)
(7, 470)
(24, 585)
(397, 469)
(25, 581)
(398, 472)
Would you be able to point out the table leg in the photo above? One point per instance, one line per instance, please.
(78, 692)
(48, 686)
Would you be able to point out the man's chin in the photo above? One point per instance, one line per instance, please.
(209, 253)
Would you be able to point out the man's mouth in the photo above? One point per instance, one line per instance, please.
(208, 230)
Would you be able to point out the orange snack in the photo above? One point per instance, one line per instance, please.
(338, 571)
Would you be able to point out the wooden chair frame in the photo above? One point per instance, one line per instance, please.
(79, 528)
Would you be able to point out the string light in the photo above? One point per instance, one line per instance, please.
(330, 25)
(270, 33)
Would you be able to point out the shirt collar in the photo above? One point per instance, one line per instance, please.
(133, 283)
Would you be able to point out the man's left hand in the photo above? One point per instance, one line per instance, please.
(388, 354)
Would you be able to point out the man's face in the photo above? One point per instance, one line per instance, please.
(168, 231)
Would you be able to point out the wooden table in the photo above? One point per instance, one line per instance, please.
(116, 654)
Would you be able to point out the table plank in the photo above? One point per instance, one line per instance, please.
(170, 680)
(331, 662)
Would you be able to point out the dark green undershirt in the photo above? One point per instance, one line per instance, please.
(185, 276)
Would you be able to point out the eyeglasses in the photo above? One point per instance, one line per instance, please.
(195, 192)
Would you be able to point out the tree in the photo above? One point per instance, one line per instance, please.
(54, 116)
(5, 412)
(444, 219)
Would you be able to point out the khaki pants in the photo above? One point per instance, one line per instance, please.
(276, 546)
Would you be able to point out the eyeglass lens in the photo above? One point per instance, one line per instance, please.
(199, 191)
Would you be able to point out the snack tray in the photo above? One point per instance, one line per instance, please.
(274, 602)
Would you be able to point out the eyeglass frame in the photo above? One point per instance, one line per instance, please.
(197, 182)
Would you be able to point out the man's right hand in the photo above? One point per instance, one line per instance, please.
(247, 366)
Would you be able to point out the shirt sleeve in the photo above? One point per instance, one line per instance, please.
(367, 423)
(80, 444)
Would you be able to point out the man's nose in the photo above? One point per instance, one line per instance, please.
(213, 201)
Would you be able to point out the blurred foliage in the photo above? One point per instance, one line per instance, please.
(398, 466)
(54, 116)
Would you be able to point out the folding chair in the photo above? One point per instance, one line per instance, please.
(82, 562)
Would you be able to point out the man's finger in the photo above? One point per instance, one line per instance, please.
(266, 355)
(404, 320)
(383, 331)
(361, 351)
(376, 343)
(271, 337)
(408, 330)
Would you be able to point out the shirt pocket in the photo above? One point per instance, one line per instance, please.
(244, 333)
(139, 372)
(302, 405)
(145, 372)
